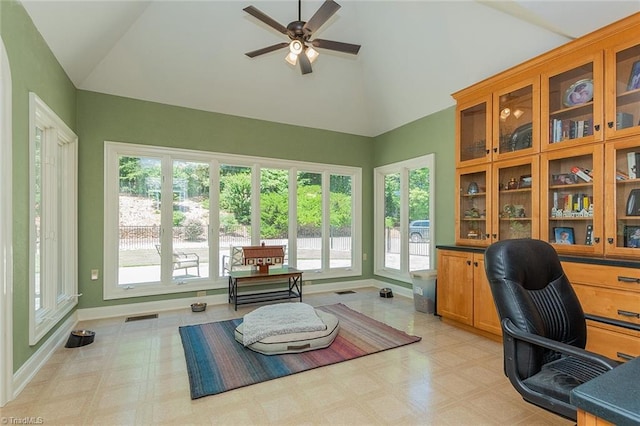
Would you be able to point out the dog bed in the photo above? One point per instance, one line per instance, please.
(295, 342)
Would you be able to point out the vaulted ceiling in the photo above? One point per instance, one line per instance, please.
(414, 53)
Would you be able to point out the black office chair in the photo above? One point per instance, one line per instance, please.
(544, 330)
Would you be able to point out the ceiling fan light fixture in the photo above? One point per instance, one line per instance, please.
(296, 47)
(292, 58)
(311, 53)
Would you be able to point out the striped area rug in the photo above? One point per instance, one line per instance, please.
(216, 363)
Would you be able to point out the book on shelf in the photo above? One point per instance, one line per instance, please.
(581, 174)
(623, 120)
(633, 161)
(620, 175)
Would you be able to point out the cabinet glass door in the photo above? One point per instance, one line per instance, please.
(573, 108)
(473, 207)
(623, 202)
(516, 206)
(625, 118)
(474, 132)
(572, 210)
(514, 122)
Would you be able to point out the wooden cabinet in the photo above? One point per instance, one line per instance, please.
(455, 286)
(497, 201)
(557, 113)
(485, 315)
(622, 83)
(464, 295)
(572, 100)
(572, 207)
(550, 149)
(622, 192)
(610, 297)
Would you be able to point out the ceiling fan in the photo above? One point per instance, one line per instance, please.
(300, 32)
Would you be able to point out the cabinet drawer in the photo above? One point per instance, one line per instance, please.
(603, 276)
(619, 346)
(616, 304)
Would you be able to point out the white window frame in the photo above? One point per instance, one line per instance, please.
(114, 150)
(58, 268)
(403, 167)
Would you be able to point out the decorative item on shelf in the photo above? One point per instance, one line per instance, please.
(472, 213)
(633, 203)
(578, 93)
(519, 229)
(563, 235)
(474, 231)
(564, 179)
(632, 236)
(634, 78)
(513, 211)
(521, 138)
(513, 184)
(588, 240)
(473, 188)
(525, 181)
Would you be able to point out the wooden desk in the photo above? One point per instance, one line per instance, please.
(273, 276)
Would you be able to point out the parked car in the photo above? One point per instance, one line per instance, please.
(419, 231)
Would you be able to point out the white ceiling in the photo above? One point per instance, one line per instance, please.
(414, 53)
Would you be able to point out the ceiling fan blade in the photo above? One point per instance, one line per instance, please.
(322, 15)
(267, 49)
(336, 45)
(305, 64)
(266, 19)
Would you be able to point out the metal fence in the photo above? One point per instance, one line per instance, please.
(144, 237)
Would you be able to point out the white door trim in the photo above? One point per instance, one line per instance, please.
(6, 235)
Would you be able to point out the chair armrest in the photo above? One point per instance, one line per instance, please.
(510, 328)
(183, 254)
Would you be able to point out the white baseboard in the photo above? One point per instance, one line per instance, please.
(218, 299)
(29, 369)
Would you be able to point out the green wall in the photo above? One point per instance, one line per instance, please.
(435, 134)
(111, 118)
(98, 117)
(33, 69)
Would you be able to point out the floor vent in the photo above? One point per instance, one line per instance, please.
(141, 317)
(345, 292)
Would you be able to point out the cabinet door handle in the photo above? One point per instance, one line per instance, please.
(596, 240)
(610, 240)
(624, 356)
(475, 264)
(468, 262)
(628, 280)
(495, 149)
(610, 124)
(597, 127)
(628, 314)
(488, 151)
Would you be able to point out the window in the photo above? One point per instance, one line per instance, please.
(53, 284)
(403, 222)
(180, 214)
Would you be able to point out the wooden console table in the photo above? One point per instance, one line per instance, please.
(273, 276)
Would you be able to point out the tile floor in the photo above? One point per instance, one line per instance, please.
(135, 373)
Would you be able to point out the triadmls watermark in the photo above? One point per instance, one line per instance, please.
(22, 420)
